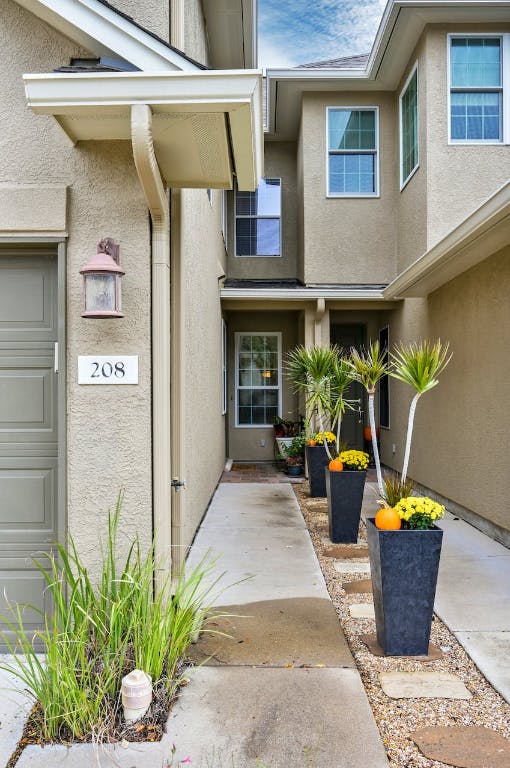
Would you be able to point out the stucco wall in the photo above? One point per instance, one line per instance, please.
(109, 441)
(203, 261)
(279, 162)
(348, 240)
(460, 446)
(412, 199)
(459, 177)
(151, 14)
(195, 39)
(244, 442)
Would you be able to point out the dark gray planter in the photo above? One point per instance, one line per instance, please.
(404, 566)
(345, 497)
(294, 470)
(317, 459)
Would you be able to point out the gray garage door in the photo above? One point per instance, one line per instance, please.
(28, 425)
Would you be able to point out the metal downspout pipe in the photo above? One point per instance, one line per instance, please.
(157, 201)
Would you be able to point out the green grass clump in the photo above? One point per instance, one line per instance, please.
(97, 633)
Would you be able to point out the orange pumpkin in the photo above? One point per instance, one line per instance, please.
(367, 434)
(311, 441)
(335, 465)
(387, 519)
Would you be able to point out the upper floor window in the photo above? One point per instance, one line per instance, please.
(257, 217)
(409, 128)
(476, 92)
(352, 151)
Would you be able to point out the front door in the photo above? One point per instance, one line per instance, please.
(345, 337)
(28, 427)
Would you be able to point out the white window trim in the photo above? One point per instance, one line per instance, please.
(224, 368)
(505, 85)
(349, 195)
(257, 333)
(404, 182)
(259, 256)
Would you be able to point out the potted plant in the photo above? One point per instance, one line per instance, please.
(404, 562)
(345, 482)
(294, 455)
(317, 459)
(404, 554)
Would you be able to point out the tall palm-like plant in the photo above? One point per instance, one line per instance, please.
(418, 364)
(369, 365)
(342, 377)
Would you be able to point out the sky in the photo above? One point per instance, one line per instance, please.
(293, 32)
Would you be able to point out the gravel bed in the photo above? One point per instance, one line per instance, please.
(397, 719)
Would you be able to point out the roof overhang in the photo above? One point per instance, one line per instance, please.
(401, 26)
(104, 31)
(303, 294)
(207, 125)
(232, 33)
(482, 234)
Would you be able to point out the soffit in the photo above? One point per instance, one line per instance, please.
(206, 125)
(399, 31)
(232, 33)
(105, 31)
(479, 236)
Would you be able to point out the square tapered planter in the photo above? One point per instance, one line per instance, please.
(404, 566)
(345, 497)
(316, 459)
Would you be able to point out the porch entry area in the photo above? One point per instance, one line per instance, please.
(29, 518)
(256, 386)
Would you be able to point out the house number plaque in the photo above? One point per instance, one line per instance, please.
(107, 369)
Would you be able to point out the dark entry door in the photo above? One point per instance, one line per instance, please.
(347, 336)
(28, 427)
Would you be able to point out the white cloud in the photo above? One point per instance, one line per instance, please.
(298, 32)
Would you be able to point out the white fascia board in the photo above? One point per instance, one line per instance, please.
(58, 92)
(481, 234)
(291, 294)
(102, 31)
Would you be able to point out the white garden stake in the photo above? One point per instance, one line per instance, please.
(136, 692)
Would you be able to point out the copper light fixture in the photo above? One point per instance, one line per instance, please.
(101, 282)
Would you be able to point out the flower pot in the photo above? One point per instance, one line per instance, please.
(283, 442)
(317, 459)
(404, 566)
(294, 470)
(345, 497)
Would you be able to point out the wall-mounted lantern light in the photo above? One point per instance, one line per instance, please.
(101, 281)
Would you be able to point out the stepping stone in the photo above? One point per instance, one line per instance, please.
(362, 586)
(345, 551)
(464, 746)
(362, 611)
(423, 685)
(343, 567)
(373, 646)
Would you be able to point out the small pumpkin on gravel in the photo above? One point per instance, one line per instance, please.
(335, 465)
(387, 518)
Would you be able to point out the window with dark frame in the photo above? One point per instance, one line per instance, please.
(258, 220)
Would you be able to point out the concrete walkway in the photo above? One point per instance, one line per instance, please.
(283, 688)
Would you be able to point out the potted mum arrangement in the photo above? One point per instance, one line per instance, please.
(345, 484)
(317, 459)
(295, 456)
(404, 542)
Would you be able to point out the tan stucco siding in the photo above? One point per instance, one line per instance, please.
(203, 259)
(244, 443)
(460, 446)
(151, 14)
(300, 209)
(279, 162)
(195, 36)
(347, 240)
(459, 177)
(412, 199)
(109, 440)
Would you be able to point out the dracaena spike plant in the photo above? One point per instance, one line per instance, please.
(419, 365)
(368, 366)
(323, 376)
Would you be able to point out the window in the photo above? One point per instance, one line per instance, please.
(409, 128)
(258, 377)
(352, 152)
(476, 93)
(257, 217)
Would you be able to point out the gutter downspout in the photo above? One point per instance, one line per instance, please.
(157, 201)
